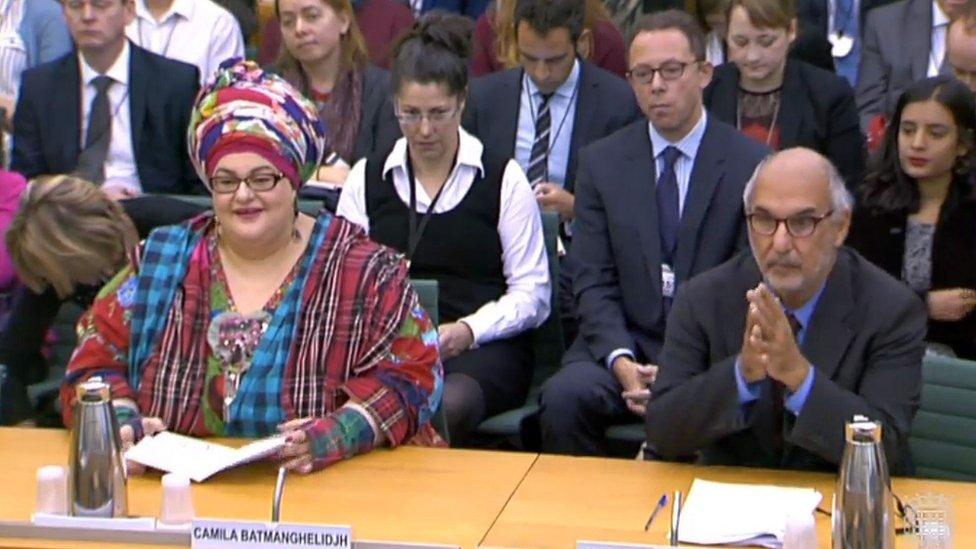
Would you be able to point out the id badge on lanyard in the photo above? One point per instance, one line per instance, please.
(667, 280)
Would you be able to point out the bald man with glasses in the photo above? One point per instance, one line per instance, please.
(768, 355)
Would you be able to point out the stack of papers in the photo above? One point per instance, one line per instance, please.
(195, 458)
(718, 513)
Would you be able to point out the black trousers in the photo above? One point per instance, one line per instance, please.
(578, 403)
(33, 313)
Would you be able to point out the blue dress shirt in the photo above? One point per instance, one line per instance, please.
(562, 110)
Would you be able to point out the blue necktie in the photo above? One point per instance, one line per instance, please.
(846, 21)
(667, 204)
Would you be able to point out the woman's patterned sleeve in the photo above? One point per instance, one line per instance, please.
(103, 342)
(392, 400)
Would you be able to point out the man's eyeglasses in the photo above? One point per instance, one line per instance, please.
(435, 116)
(78, 5)
(669, 71)
(799, 226)
(259, 183)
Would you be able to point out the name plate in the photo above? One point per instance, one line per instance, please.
(227, 534)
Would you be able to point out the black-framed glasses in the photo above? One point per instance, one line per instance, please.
(799, 226)
(669, 71)
(259, 183)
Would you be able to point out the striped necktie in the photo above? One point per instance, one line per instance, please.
(538, 171)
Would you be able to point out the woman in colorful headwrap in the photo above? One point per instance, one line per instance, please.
(256, 318)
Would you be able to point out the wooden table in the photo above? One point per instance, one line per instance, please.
(408, 494)
(566, 499)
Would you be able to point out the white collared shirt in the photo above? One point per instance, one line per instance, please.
(120, 164)
(562, 115)
(13, 51)
(714, 49)
(688, 145)
(937, 51)
(198, 32)
(525, 304)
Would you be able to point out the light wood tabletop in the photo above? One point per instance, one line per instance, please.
(566, 499)
(407, 494)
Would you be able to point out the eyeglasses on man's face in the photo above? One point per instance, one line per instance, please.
(798, 226)
(669, 71)
(259, 182)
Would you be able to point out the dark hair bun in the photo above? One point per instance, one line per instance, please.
(445, 30)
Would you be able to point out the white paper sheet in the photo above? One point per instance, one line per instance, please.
(718, 513)
(195, 458)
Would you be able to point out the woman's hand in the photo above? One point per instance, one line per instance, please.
(455, 338)
(297, 452)
(150, 426)
(951, 305)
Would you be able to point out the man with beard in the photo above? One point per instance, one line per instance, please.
(768, 355)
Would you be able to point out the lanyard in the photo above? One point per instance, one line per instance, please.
(416, 233)
(145, 43)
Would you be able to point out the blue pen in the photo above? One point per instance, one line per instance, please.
(661, 504)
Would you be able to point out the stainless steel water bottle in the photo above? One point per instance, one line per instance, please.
(97, 484)
(863, 514)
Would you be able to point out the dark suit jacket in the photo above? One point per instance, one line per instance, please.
(817, 111)
(816, 14)
(616, 243)
(47, 123)
(378, 127)
(880, 237)
(897, 40)
(605, 104)
(865, 338)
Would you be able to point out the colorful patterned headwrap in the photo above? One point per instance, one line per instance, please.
(244, 109)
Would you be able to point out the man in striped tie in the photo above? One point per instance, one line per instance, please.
(543, 112)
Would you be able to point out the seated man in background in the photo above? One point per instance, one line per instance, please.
(903, 42)
(657, 203)
(768, 355)
(543, 112)
(111, 112)
(199, 32)
(961, 51)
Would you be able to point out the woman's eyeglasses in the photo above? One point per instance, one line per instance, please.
(261, 182)
(435, 117)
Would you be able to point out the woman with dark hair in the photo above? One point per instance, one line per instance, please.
(325, 57)
(464, 216)
(782, 101)
(916, 216)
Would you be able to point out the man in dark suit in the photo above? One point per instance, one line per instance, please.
(767, 356)
(112, 111)
(840, 24)
(585, 103)
(544, 112)
(903, 42)
(656, 204)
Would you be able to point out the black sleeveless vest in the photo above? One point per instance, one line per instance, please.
(460, 248)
